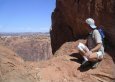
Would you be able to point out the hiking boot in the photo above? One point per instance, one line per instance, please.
(95, 64)
(84, 64)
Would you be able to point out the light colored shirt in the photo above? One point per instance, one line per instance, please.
(97, 39)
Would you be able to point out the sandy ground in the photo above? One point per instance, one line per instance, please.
(63, 67)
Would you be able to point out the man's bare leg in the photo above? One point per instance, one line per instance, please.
(83, 51)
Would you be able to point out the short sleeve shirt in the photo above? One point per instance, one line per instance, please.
(97, 39)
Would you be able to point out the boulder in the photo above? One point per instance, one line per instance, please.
(68, 20)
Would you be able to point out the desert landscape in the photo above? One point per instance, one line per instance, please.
(29, 46)
(53, 56)
(30, 59)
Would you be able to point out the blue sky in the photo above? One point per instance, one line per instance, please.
(26, 15)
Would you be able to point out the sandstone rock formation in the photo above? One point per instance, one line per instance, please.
(32, 48)
(60, 68)
(68, 20)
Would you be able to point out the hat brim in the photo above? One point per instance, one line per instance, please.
(93, 26)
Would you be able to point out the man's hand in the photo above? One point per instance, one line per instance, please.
(88, 53)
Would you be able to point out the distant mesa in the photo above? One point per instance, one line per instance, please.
(23, 33)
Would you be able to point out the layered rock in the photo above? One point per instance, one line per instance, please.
(32, 48)
(68, 20)
(60, 68)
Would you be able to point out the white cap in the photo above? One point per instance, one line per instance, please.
(91, 22)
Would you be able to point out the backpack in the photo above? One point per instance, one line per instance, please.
(102, 33)
(90, 43)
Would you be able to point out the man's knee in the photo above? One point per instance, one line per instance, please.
(93, 57)
(99, 55)
(81, 46)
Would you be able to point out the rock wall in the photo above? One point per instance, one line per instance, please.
(30, 48)
(34, 50)
(68, 20)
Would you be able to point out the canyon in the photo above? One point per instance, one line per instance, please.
(54, 57)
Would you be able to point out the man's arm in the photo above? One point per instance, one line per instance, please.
(97, 47)
(98, 40)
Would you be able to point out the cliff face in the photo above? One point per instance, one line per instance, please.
(60, 68)
(32, 48)
(68, 20)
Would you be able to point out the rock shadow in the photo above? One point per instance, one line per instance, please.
(79, 59)
(111, 52)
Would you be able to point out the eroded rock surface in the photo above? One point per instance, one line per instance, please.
(60, 68)
(68, 20)
(30, 48)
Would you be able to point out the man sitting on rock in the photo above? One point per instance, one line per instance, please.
(94, 51)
